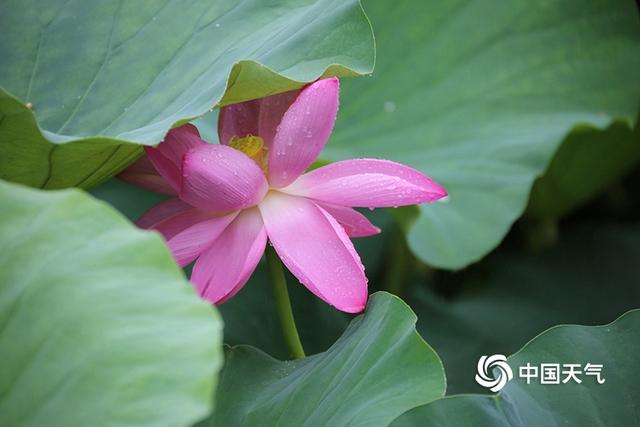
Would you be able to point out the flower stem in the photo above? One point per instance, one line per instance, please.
(397, 263)
(283, 304)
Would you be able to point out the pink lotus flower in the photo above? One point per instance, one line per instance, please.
(233, 196)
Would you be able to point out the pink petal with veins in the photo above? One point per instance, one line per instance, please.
(303, 131)
(272, 108)
(189, 243)
(238, 120)
(226, 265)
(354, 223)
(219, 178)
(162, 211)
(187, 230)
(315, 248)
(367, 183)
(167, 157)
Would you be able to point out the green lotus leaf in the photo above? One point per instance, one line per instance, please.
(379, 368)
(589, 278)
(613, 403)
(586, 163)
(480, 96)
(101, 78)
(98, 326)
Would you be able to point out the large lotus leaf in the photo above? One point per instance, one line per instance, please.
(479, 96)
(590, 277)
(99, 75)
(377, 370)
(98, 326)
(612, 403)
(586, 163)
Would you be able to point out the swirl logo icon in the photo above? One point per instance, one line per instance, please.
(498, 364)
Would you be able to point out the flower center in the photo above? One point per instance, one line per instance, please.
(253, 147)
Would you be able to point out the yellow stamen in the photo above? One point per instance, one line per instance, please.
(252, 146)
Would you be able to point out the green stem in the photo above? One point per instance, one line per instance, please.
(283, 304)
(397, 263)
